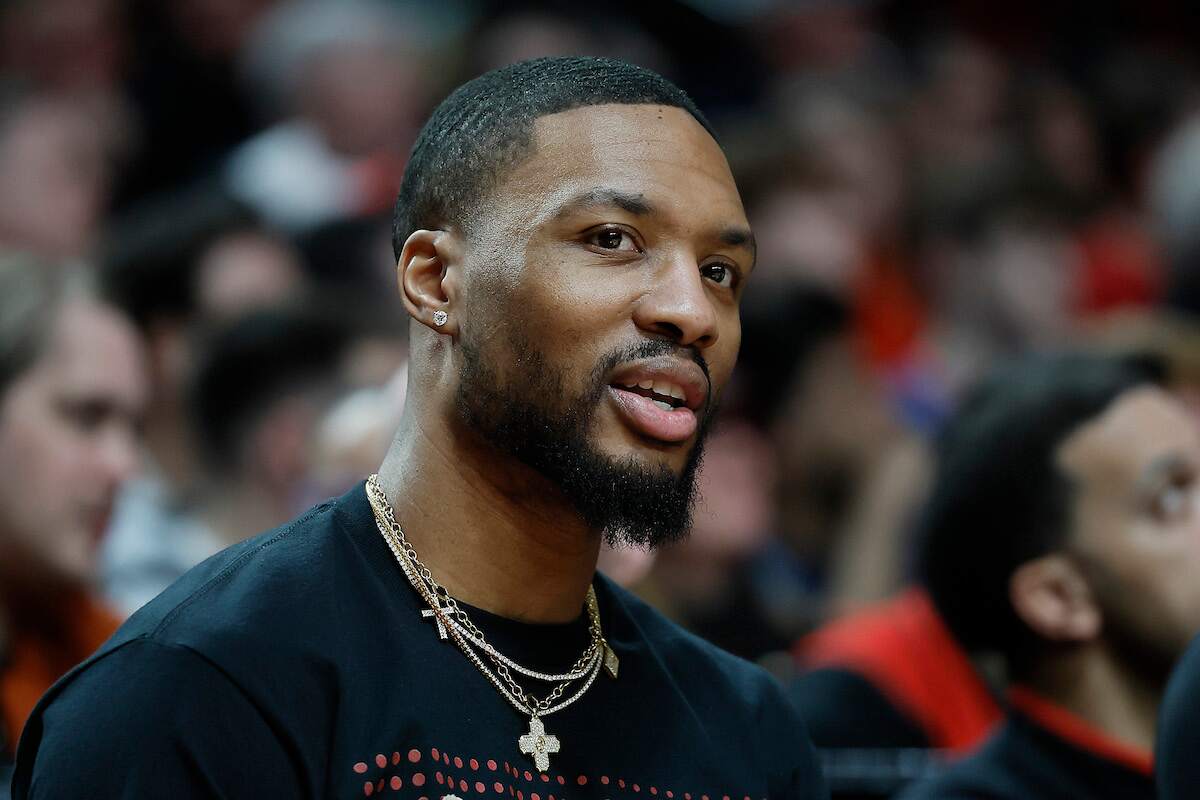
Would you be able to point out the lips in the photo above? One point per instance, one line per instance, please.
(660, 398)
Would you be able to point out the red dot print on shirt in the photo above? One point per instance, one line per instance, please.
(439, 777)
(360, 767)
(379, 786)
(653, 790)
(520, 795)
(433, 751)
(528, 775)
(545, 778)
(492, 764)
(621, 782)
(462, 785)
(534, 796)
(670, 793)
(368, 789)
(414, 755)
(499, 787)
(457, 762)
(446, 759)
(418, 779)
(395, 758)
(396, 783)
(474, 764)
(479, 787)
(581, 780)
(636, 788)
(381, 761)
(604, 780)
(562, 781)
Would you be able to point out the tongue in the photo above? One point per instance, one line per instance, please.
(674, 425)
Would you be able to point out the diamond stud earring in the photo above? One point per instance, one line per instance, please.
(440, 317)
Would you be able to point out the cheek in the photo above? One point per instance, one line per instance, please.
(43, 476)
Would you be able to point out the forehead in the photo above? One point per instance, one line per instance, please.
(93, 350)
(659, 152)
(1140, 428)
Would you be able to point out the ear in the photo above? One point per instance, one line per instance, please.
(1051, 595)
(428, 274)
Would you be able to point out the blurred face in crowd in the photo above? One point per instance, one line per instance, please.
(1136, 472)
(68, 439)
(601, 319)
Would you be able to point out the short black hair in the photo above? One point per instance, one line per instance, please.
(999, 498)
(485, 127)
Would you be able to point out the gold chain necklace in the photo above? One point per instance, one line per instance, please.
(455, 624)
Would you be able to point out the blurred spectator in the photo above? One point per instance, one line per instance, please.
(55, 164)
(346, 79)
(1060, 536)
(261, 384)
(72, 391)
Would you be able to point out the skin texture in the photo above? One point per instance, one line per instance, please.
(553, 267)
(1123, 597)
(68, 440)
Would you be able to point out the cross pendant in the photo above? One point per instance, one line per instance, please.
(539, 744)
(437, 618)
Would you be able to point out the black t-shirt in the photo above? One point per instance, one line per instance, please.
(1026, 761)
(297, 665)
(1177, 756)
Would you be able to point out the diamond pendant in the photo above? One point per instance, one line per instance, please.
(538, 744)
(612, 664)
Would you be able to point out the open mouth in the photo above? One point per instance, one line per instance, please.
(664, 395)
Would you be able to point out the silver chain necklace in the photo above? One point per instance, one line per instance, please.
(453, 623)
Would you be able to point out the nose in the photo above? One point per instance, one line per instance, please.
(678, 305)
(118, 453)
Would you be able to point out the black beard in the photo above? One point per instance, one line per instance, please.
(535, 420)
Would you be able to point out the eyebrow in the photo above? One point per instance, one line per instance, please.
(635, 204)
(1165, 466)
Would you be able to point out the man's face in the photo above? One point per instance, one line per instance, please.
(1136, 532)
(601, 290)
(68, 439)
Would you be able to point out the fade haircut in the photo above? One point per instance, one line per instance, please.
(1000, 499)
(485, 128)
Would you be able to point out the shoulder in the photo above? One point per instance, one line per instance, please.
(258, 585)
(720, 686)
(161, 721)
(1178, 738)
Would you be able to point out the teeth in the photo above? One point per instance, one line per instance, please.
(665, 406)
(660, 387)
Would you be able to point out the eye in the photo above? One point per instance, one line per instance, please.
(613, 239)
(1174, 500)
(718, 273)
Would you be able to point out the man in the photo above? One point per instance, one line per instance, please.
(72, 389)
(1062, 535)
(571, 249)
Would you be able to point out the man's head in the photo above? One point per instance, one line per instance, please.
(1066, 514)
(578, 224)
(72, 389)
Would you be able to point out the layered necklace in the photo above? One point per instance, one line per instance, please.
(453, 623)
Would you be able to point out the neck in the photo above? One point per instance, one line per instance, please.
(493, 532)
(1098, 687)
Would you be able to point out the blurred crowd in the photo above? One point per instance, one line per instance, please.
(196, 281)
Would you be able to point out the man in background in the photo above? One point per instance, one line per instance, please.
(1061, 537)
(72, 390)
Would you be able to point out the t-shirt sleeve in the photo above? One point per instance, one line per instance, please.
(151, 719)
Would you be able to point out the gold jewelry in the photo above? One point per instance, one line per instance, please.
(453, 623)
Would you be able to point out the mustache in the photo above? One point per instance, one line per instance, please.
(650, 348)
